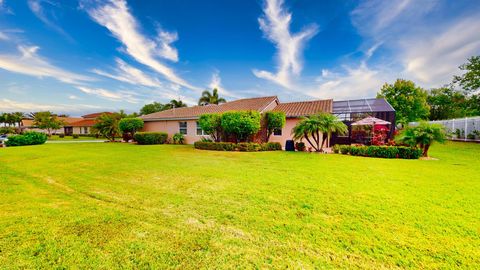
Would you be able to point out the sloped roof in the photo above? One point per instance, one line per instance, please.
(83, 123)
(247, 104)
(305, 108)
(95, 115)
(68, 121)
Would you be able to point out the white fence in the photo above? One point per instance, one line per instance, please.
(465, 129)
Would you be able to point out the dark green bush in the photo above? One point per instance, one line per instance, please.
(61, 135)
(382, 151)
(336, 149)
(28, 138)
(243, 147)
(150, 137)
(76, 136)
(345, 149)
(178, 138)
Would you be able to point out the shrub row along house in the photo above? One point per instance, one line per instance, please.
(185, 120)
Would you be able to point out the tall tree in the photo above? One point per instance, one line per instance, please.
(48, 121)
(312, 127)
(470, 80)
(447, 103)
(210, 98)
(152, 108)
(408, 100)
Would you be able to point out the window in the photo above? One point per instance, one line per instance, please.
(183, 127)
(85, 130)
(277, 132)
(200, 131)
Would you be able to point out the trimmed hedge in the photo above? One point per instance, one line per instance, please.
(380, 151)
(242, 147)
(150, 137)
(27, 138)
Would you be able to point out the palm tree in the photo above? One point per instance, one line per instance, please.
(210, 98)
(175, 104)
(107, 125)
(423, 136)
(310, 128)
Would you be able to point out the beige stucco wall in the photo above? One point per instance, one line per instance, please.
(287, 133)
(80, 130)
(172, 126)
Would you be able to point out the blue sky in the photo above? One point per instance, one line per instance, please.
(84, 56)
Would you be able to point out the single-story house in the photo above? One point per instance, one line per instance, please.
(185, 120)
(73, 125)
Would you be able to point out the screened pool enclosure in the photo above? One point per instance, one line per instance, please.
(350, 111)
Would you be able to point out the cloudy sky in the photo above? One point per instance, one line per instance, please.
(88, 55)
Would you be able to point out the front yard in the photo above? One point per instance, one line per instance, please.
(118, 205)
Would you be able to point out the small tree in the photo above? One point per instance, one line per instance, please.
(274, 120)
(422, 136)
(107, 125)
(312, 127)
(211, 123)
(210, 98)
(470, 80)
(128, 127)
(48, 121)
(241, 124)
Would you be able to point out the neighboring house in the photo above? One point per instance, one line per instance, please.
(73, 125)
(84, 125)
(27, 124)
(185, 120)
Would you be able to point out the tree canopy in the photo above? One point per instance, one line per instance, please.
(48, 121)
(211, 123)
(210, 98)
(274, 120)
(241, 124)
(470, 80)
(408, 100)
(107, 125)
(422, 136)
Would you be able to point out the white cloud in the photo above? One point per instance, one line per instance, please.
(30, 63)
(3, 36)
(353, 82)
(129, 74)
(8, 105)
(165, 49)
(275, 25)
(434, 58)
(216, 82)
(116, 17)
(110, 95)
(73, 97)
(38, 10)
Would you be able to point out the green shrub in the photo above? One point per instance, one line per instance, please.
(241, 124)
(61, 135)
(28, 138)
(345, 149)
(243, 147)
(75, 136)
(7, 130)
(150, 137)
(178, 138)
(382, 151)
(336, 148)
(129, 126)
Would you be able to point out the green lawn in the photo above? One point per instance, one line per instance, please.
(118, 205)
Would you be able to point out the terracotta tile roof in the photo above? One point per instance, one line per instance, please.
(256, 104)
(67, 120)
(83, 123)
(305, 108)
(95, 115)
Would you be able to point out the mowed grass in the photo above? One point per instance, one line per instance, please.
(127, 206)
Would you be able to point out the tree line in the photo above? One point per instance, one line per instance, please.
(460, 98)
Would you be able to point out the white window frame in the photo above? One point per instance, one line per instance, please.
(199, 128)
(180, 128)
